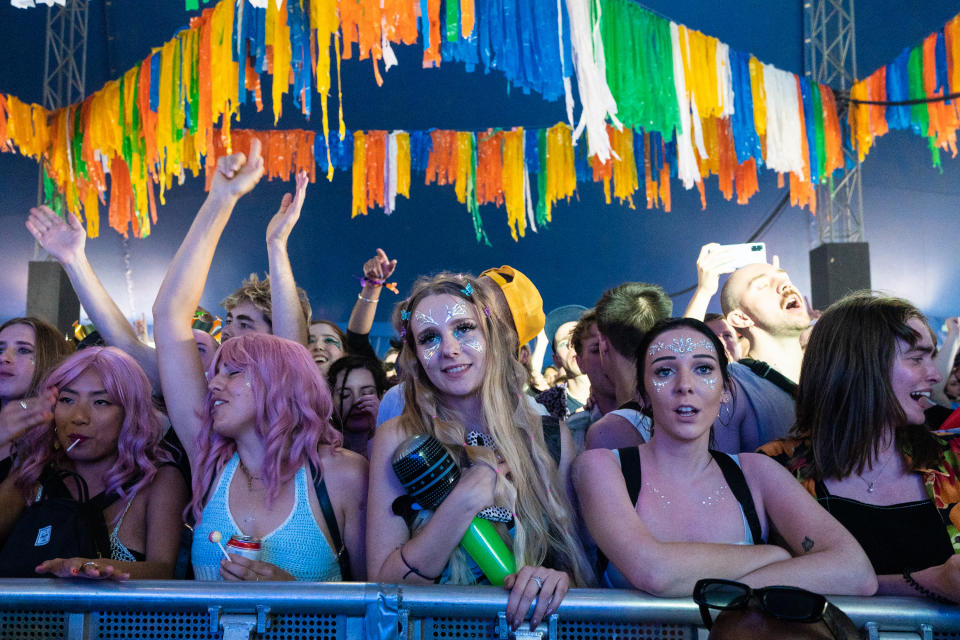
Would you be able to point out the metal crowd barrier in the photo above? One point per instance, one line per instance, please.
(42, 609)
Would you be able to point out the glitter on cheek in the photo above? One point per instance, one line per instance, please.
(711, 382)
(430, 351)
(471, 343)
(659, 385)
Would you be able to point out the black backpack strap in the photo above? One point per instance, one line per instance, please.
(765, 371)
(551, 436)
(326, 507)
(630, 468)
(733, 475)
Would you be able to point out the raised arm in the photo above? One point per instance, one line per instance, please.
(826, 557)
(65, 241)
(288, 319)
(181, 372)
(660, 568)
(711, 263)
(376, 270)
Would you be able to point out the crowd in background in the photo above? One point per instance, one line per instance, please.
(767, 445)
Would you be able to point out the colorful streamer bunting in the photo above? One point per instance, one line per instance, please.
(657, 99)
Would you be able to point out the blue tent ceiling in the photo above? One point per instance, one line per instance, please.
(588, 247)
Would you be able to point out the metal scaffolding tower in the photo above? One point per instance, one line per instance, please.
(65, 60)
(830, 58)
(64, 63)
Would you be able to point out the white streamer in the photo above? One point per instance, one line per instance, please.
(724, 79)
(390, 199)
(784, 137)
(590, 67)
(687, 169)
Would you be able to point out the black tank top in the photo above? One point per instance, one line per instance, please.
(907, 536)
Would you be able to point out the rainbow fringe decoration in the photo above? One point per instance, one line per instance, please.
(663, 101)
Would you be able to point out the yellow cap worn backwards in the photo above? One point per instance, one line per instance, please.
(524, 301)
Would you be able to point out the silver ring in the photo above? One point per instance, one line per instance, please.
(23, 405)
(90, 563)
(539, 582)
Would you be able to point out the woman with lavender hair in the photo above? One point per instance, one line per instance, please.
(264, 456)
(106, 432)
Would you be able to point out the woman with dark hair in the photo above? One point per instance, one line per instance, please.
(463, 385)
(695, 512)
(357, 384)
(29, 348)
(860, 445)
(106, 432)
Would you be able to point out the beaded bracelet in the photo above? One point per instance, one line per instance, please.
(413, 569)
(364, 281)
(916, 586)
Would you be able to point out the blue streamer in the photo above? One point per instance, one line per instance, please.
(811, 129)
(638, 157)
(425, 23)
(154, 82)
(257, 36)
(581, 162)
(465, 50)
(898, 90)
(531, 150)
(421, 144)
(940, 56)
(670, 156)
(239, 50)
(745, 138)
(343, 151)
(300, 55)
(320, 152)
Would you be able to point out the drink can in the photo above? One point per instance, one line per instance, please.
(245, 546)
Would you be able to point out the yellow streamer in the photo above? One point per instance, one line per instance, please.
(561, 173)
(359, 175)
(403, 163)
(511, 179)
(759, 96)
(464, 150)
(281, 53)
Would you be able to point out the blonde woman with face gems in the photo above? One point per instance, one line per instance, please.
(462, 385)
(700, 513)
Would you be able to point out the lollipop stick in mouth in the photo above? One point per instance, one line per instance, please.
(75, 443)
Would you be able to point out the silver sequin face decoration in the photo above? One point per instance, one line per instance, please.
(659, 385)
(710, 382)
(422, 321)
(681, 345)
(458, 310)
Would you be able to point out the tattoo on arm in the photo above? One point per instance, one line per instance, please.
(807, 544)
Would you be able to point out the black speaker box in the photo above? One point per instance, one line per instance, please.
(50, 296)
(837, 269)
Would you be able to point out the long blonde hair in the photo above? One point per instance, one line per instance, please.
(545, 523)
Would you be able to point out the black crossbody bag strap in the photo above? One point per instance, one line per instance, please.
(326, 507)
(630, 468)
(735, 479)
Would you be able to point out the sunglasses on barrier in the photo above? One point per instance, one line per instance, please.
(791, 604)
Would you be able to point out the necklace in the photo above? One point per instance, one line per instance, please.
(250, 477)
(870, 483)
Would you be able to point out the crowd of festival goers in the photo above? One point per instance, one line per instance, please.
(778, 446)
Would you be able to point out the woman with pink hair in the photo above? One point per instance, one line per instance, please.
(264, 458)
(105, 439)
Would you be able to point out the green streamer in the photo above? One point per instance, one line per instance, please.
(542, 178)
(191, 5)
(818, 124)
(176, 95)
(471, 196)
(51, 195)
(76, 144)
(639, 64)
(453, 20)
(194, 84)
(918, 112)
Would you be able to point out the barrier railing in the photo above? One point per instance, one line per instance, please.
(42, 609)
